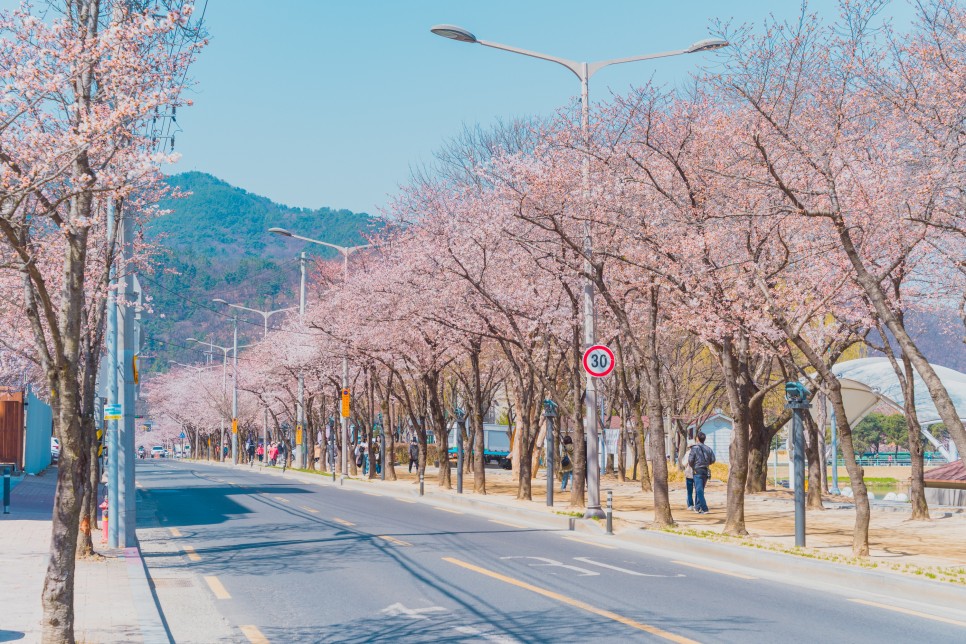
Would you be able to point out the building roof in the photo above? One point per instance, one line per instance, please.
(955, 471)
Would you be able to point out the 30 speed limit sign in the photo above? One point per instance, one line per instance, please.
(598, 361)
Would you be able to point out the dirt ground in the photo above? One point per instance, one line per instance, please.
(895, 542)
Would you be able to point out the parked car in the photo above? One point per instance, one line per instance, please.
(54, 449)
(157, 452)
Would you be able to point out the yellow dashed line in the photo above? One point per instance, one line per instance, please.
(217, 588)
(406, 500)
(647, 628)
(192, 555)
(447, 510)
(302, 507)
(590, 543)
(253, 634)
(342, 521)
(717, 570)
(175, 532)
(907, 611)
(511, 525)
(278, 498)
(393, 540)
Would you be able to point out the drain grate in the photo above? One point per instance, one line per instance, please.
(172, 582)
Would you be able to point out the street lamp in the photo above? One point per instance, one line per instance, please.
(224, 385)
(265, 314)
(583, 71)
(345, 251)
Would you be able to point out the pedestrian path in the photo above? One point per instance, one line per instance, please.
(112, 601)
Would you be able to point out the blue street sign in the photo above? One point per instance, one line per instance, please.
(182, 437)
(112, 412)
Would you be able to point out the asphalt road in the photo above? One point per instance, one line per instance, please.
(239, 556)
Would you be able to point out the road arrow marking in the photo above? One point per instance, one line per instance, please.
(412, 613)
(590, 561)
(557, 564)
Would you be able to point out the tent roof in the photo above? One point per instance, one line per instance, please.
(868, 381)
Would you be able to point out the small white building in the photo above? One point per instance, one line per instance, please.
(717, 427)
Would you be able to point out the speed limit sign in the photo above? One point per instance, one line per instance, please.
(598, 361)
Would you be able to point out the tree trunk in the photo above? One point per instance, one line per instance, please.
(860, 532)
(578, 490)
(438, 416)
(88, 491)
(476, 421)
(917, 491)
(655, 415)
(759, 447)
(815, 473)
(738, 388)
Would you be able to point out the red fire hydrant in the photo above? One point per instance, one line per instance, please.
(103, 507)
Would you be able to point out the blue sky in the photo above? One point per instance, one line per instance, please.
(330, 103)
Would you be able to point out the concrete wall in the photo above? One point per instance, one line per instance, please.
(40, 426)
(945, 496)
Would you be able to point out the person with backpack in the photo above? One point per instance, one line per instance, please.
(413, 455)
(700, 460)
(567, 463)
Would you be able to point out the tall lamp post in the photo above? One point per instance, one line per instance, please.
(345, 251)
(265, 317)
(583, 71)
(224, 384)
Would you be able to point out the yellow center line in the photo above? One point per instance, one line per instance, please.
(175, 532)
(393, 540)
(308, 509)
(278, 498)
(342, 521)
(512, 525)
(217, 588)
(192, 555)
(372, 494)
(907, 611)
(717, 570)
(405, 500)
(647, 628)
(253, 634)
(590, 543)
(447, 510)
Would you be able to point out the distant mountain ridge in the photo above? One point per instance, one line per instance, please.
(216, 243)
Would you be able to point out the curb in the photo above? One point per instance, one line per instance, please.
(154, 629)
(775, 566)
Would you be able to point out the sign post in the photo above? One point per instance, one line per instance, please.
(112, 412)
(796, 399)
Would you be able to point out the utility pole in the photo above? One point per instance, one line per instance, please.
(300, 412)
(111, 426)
(127, 509)
(550, 412)
(234, 396)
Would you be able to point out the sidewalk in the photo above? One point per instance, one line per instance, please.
(112, 599)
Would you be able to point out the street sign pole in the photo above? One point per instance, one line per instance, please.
(345, 417)
(550, 412)
(796, 397)
(598, 362)
(460, 430)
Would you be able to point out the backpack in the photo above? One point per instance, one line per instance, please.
(565, 461)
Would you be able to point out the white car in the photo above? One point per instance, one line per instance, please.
(54, 449)
(157, 452)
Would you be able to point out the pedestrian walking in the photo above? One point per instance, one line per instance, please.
(260, 452)
(700, 460)
(567, 463)
(413, 455)
(250, 449)
(689, 473)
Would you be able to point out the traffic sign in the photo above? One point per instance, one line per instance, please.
(234, 425)
(298, 434)
(112, 412)
(345, 403)
(598, 360)
(182, 436)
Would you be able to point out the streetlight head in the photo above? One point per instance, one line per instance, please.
(453, 33)
(280, 231)
(708, 44)
(218, 300)
(191, 340)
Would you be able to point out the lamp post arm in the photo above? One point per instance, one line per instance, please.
(593, 68)
(573, 66)
(341, 249)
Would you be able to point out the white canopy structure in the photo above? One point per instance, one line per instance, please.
(868, 382)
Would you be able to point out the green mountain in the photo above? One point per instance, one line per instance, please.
(214, 242)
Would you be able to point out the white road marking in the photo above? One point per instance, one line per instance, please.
(412, 613)
(590, 561)
(557, 564)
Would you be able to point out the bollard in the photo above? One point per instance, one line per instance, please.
(6, 490)
(610, 512)
(103, 506)
(421, 477)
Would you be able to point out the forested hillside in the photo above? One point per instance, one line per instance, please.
(215, 243)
